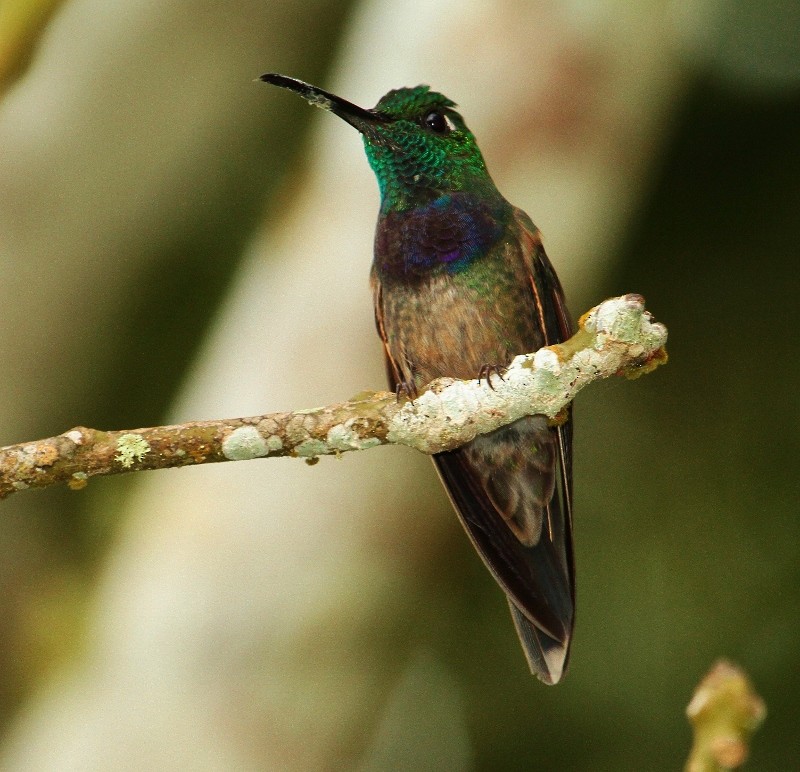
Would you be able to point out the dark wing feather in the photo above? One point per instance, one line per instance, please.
(537, 579)
(557, 327)
(392, 367)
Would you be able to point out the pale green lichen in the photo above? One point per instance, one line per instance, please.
(623, 318)
(311, 448)
(274, 443)
(342, 437)
(131, 447)
(243, 444)
(627, 327)
(456, 404)
(546, 385)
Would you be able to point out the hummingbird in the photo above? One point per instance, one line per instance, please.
(461, 285)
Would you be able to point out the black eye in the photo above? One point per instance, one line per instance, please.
(438, 122)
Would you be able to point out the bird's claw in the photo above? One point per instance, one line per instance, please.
(405, 388)
(487, 371)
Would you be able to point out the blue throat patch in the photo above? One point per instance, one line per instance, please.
(445, 235)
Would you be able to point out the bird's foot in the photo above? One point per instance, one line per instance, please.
(407, 389)
(487, 371)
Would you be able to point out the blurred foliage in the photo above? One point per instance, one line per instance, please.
(724, 711)
(53, 545)
(703, 560)
(21, 24)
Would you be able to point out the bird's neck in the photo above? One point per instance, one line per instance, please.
(444, 234)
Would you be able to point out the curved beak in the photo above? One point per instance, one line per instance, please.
(356, 116)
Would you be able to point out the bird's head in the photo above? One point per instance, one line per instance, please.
(417, 144)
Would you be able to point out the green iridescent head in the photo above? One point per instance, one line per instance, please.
(418, 146)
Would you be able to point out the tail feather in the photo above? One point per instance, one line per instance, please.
(547, 657)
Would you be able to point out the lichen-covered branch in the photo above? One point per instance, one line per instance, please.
(725, 711)
(616, 337)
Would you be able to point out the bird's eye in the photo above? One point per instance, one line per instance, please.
(438, 122)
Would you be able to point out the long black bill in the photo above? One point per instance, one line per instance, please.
(356, 116)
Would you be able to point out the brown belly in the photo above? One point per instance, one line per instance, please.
(448, 326)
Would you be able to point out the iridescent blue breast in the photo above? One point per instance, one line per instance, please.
(445, 235)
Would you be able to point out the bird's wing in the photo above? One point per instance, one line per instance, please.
(393, 371)
(555, 322)
(537, 576)
(557, 326)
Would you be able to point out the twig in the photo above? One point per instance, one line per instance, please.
(725, 711)
(616, 337)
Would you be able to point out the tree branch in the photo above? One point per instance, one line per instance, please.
(616, 337)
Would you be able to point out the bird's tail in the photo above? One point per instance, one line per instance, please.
(547, 657)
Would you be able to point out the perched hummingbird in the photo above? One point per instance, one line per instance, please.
(461, 285)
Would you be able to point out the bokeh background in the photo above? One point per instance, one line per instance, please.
(178, 242)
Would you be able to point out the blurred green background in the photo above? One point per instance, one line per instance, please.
(135, 177)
